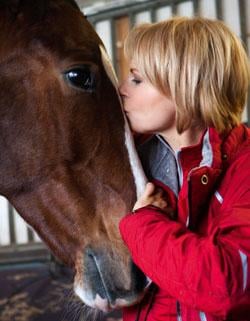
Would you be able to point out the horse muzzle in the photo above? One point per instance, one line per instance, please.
(108, 283)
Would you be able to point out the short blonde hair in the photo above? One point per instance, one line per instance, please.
(200, 63)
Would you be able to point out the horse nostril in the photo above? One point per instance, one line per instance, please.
(111, 282)
(95, 275)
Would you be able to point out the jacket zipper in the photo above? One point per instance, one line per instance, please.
(178, 309)
(178, 306)
(138, 316)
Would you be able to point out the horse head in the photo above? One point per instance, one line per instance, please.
(67, 164)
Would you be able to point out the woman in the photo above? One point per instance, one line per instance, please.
(187, 89)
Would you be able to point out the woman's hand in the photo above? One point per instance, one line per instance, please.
(152, 196)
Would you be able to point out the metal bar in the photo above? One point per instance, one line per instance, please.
(219, 9)
(243, 20)
(153, 14)
(134, 8)
(113, 39)
(30, 234)
(243, 31)
(196, 7)
(24, 253)
(131, 19)
(174, 7)
(12, 224)
(248, 109)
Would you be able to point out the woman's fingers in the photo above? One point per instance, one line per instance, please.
(149, 190)
(146, 197)
(152, 196)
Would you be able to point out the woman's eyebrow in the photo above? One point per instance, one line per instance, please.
(134, 71)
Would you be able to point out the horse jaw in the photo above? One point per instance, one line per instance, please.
(136, 167)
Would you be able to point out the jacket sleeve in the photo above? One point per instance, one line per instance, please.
(208, 273)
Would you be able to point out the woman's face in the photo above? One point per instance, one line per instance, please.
(148, 110)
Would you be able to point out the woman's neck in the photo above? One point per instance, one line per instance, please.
(177, 141)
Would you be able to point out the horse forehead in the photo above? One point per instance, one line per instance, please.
(77, 39)
(59, 20)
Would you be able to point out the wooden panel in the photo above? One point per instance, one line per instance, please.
(122, 26)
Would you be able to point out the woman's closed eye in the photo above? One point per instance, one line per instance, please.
(136, 81)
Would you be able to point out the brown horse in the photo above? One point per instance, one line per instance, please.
(66, 164)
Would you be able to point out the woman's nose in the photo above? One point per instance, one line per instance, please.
(122, 89)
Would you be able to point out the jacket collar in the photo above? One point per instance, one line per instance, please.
(206, 153)
(235, 142)
(213, 155)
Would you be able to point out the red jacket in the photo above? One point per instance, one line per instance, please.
(201, 269)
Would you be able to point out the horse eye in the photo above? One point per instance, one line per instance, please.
(82, 78)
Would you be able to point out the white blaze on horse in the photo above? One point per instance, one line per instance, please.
(66, 164)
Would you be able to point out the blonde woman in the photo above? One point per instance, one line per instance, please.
(187, 89)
